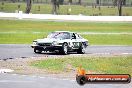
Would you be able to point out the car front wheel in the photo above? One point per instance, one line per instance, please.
(64, 49)
(82, 49)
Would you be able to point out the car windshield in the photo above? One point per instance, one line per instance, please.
(59, 35)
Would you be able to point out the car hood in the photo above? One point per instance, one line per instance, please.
(47, 40)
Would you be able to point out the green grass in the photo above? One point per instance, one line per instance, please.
(109, 39)
(110, 65)
(24, 31)
(75, 9)
(48, 26)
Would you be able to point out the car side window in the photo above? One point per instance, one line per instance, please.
(73, 36)
(78, 36)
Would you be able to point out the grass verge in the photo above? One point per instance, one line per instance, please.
(110, 65)
(24, 32)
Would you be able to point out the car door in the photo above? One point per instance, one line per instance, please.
(75, 41)
(83, 41)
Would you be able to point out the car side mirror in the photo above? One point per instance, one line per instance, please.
(73, 37)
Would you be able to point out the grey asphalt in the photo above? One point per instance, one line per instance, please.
(25, 81)
(29, 81)
(10, 51)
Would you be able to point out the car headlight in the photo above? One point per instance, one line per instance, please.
(54, 43)
(34, 43)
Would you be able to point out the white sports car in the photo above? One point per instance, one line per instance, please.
(61, 41)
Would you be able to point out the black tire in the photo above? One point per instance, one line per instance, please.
(82, 49)
(81, 80)
(64, 49)
(37, 51)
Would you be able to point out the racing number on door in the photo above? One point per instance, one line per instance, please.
(76, 44)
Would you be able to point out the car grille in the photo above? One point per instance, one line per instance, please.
(44, 44)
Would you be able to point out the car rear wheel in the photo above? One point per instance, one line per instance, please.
(64, 49)
(37, 51)
(82, 49)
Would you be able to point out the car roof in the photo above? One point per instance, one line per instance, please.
(65, 31)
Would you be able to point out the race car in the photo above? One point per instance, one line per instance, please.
(62, 42)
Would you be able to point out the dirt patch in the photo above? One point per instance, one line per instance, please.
(22, 66)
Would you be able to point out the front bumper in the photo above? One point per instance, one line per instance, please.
(46, 48)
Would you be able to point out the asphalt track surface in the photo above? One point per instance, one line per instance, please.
(25, 81)
(12, 51)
